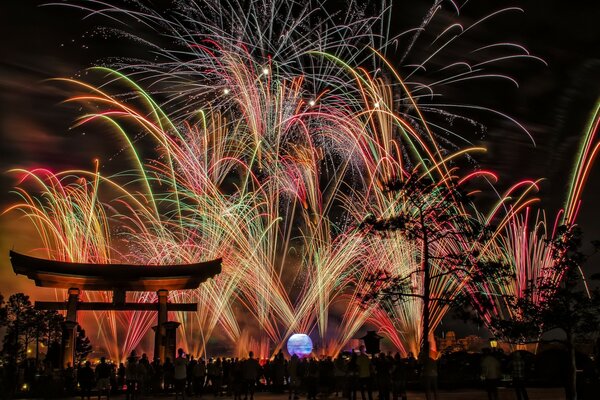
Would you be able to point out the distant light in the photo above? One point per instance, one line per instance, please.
(312, 103)
(300, 345)
(265, 71)
(376, 105)
(226, 91)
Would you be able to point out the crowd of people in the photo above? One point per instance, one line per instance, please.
(347, 375)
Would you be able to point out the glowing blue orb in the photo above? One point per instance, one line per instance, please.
(300, 345)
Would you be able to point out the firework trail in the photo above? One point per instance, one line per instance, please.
(521, 242)
(278, 125)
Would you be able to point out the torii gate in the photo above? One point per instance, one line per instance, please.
(118, 278)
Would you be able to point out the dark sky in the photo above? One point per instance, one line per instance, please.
(553, 102)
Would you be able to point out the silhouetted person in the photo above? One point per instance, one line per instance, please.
(383, 368)
(169, 373)
(131, 376)
(278, 372)
(69, 377)
(85, 376)
(190, 375)
(399, 378)
(157, 375)
(121, 375)
(327, 376)
(144, 374)
(180, 373)
(267, 373)
(294, 383)
(199, 376)
(430, 378)
(237, 380)
(491, 372)
(339, 374)
(352, 379)
(214, 372)
(364, 373)
(103, 378)
(517, 365)
(250, 371)
(312, 380)
(411, 363)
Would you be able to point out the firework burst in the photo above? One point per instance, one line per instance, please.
(276, 129)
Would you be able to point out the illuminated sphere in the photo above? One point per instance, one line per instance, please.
(300, 345)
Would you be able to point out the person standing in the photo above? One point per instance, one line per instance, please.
(352, 376)
(103, 378)
(278, 372)
(339, 375)
(85, 376)
(399, 378)
(131, 376)
(327, 376)
(157, 375)
(430, 378)
(491, 372)
(121, 376)
(69, 379)
(237, 379)
(168, 375)
(214, 376)
(364, 373)
(383, 369)
(199, 377)
(312, 380)
(250, 371)
(144, 375)
(190, 375)
(180, 373)
(517, 365)
(294, 381)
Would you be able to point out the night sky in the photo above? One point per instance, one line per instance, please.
(553, 102)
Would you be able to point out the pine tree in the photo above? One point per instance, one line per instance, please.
(83, 346)
(18, 311)
(552, 303)
(434, 218)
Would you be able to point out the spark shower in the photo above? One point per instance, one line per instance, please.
(264, 133)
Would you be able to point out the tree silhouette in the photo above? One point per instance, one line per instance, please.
(434, 217)
(83, 346)
(26, 325)
(18, 309)
(3, 320)
(45, 328)
(558, 300)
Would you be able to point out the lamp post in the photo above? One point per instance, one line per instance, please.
(371, 341)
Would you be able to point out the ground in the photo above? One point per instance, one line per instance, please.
(468, 394)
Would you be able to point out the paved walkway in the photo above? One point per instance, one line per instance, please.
(466, 394)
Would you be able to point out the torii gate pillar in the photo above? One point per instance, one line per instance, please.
(170, 347)
(70, 329)
(160, 331)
